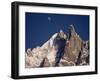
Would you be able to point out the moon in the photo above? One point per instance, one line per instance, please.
(49, 18)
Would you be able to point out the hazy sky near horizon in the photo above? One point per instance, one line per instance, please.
(39, 27)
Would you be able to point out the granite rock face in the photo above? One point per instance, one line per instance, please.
(60, 50)
(72, 48)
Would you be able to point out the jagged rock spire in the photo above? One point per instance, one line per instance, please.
(61, 31)
(73, 47)
(71, 31)
(62, 34)
(72, 27)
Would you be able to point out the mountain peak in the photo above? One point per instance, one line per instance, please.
(60, 49)
(72, 28)
(61, 31)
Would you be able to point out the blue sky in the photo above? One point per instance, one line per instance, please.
(40, 27)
